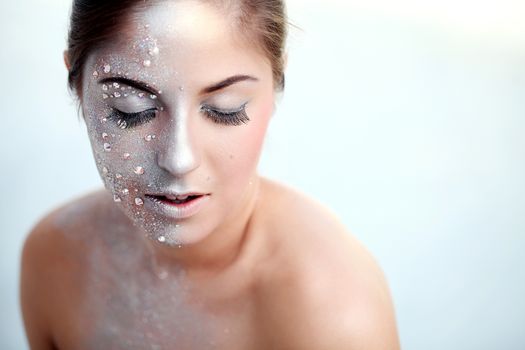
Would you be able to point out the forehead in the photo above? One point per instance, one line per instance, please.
(191, 41)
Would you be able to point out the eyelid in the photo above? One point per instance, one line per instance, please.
(133, 107)
(222, 111)
(116, 108)
(141, 109)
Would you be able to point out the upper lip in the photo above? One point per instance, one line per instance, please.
(176, 194)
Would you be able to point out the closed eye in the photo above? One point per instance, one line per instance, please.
(236, 117)
(130, 120)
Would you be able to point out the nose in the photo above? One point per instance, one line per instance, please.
(178, 154)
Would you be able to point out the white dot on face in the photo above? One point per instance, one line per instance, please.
(154, 51)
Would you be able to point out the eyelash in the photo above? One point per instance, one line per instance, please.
(131, 120)
(237, 117)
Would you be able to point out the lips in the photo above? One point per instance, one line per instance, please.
(177, 205)
(179, 199)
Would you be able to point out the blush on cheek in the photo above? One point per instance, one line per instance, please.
(261, 120)
(247, 148)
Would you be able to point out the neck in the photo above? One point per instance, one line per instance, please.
(221, 247)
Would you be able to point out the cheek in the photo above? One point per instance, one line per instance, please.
(123, 157)
(245, 146)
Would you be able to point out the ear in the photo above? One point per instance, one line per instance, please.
(66, 60)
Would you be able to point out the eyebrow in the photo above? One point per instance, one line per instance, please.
(133, 83)
(227, 82)
(143, 86)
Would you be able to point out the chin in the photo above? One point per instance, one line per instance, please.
(169, 231)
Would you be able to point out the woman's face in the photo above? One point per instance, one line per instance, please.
(160, 125)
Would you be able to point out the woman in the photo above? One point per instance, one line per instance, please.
(188, 247)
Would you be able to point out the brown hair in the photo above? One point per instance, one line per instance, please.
(94, 23)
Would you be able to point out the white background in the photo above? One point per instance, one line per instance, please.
(407, 118)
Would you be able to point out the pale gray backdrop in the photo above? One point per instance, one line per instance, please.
(406, 117)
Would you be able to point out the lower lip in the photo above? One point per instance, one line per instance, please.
(177, 210)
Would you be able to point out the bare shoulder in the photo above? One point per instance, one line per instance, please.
(327, 291)
(49, 263)
(64, 225)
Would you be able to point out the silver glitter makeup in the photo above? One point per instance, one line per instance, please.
(126, 156)
(162, 274)
(107, 68)
(153, 97)
(139, 170)
(105, 170)
(139, 201)
(154, 51)
(161, 239)
(122, 124)
(104, 96)
(95, 74)
(116, 198)
(125, 192)
(146, 63)
(148, 138)
(105, 87)
(117, 94)
(107, 147)
(118, 176)
(105, 135)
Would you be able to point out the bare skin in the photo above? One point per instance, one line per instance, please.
(259, 266)
(298, 280)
